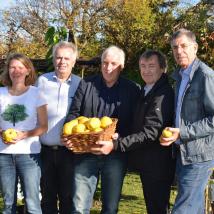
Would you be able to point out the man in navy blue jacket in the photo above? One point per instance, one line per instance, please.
(105, 94)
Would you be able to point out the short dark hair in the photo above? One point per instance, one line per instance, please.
(183, 32)
(160, 56)
(29, 80)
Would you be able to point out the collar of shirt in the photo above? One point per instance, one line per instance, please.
(148, 88)
(67, 81)
(186, 72)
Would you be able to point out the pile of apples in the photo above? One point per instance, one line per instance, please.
(85, 125)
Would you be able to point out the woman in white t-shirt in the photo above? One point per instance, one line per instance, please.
(23, 109)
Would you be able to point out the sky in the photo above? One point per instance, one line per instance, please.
(7, 3)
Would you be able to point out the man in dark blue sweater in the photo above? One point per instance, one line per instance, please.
(111, 95)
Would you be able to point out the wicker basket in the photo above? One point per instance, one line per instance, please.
(82, 142)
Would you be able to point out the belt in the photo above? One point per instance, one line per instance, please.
(54, 147)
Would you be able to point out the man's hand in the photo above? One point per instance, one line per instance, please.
(102, 148)
(166, 141)
(66, 142)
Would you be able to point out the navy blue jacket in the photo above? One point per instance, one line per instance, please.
(86, 101)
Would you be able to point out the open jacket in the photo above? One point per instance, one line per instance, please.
(197, 114)
(86, 101)
(153, 113)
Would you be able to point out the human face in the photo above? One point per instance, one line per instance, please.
(111, 69)
(184, 51)
(150, 70)
(17, 71)
(64, 61)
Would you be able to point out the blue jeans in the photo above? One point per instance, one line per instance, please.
(27, 166)
(191, 180)
(56, 182)
(87, 168)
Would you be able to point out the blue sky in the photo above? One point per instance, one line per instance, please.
(8, 3)
(5, 3)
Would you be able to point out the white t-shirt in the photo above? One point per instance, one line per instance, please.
(20, 112)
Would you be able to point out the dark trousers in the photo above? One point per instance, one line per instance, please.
(88, 167)
(156, 193)
(56, 182)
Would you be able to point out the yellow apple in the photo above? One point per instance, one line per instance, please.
(105, 121)
(67, 128)
(93, 123)
(9, 135)
(166, 133)
(99, 129)
(83, 120)
(79, 128)
(80, 117)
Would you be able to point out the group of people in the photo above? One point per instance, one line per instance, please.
(40, 157)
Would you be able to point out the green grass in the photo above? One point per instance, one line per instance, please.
(1, 205)
(132, 201)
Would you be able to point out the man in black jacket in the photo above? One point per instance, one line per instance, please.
(154, 111)
(103, 95)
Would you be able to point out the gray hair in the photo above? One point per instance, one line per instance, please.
(117, 51)
(64, 44)
(183, 32)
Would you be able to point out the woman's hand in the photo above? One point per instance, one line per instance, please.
(21, 135)
(8, 136)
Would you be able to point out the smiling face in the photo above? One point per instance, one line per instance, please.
(111, 68)
(184, 50)
(17, 71)
(150, 69)
(64, 61)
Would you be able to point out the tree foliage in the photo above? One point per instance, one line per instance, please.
(128, 24)
(197, 20)
(93, 25)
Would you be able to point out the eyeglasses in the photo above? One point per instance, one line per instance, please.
(182, 46)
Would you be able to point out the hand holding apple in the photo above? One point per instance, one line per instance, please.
(9, 136)
(169, 135)
(166, 133)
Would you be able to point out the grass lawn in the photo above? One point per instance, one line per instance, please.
(1, 205)
(132, 201)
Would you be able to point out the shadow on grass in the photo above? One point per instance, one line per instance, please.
(97, 196)
(129, 197)
(95, 212)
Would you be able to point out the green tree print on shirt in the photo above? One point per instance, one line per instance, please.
(14, 113)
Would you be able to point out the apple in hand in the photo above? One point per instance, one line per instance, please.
(166, 133)
(9, 135)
